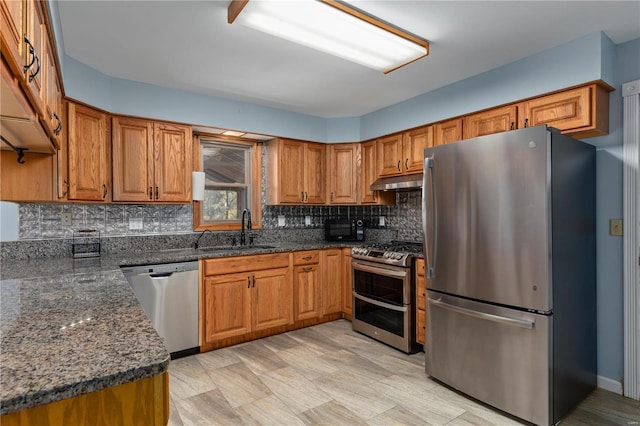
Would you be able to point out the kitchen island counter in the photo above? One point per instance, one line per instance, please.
(74, 326)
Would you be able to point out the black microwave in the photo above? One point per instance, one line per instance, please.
(344, 230)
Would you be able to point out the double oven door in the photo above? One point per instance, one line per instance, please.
(382, 306)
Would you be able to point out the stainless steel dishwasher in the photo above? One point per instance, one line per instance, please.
(168, 294)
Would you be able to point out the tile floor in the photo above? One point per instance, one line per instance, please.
(329, 374)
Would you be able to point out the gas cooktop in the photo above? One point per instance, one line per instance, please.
(398, 253)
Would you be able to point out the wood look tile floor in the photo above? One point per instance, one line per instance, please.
(331, 375)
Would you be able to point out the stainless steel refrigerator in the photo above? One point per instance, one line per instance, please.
(509, 227)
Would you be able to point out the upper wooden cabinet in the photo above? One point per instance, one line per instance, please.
(402, 153)
(581, 112)
(389, 152)
(296, 172)
(448, 131)
(30, 62)
(413, 145)
(488, 122)
(369, 171)
(152, 161)
(88, 153)
(343, 173)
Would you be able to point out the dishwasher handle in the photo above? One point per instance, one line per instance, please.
(161, 275)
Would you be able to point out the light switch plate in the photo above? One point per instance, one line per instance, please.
(616, 228)
(381, 221)
(135, 223)
(281, 220)
(307, 220)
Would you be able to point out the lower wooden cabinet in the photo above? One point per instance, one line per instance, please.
(420, 302)
(142, 402)
(331, 261)
(347, 284)
(306, 285)
(257, 297)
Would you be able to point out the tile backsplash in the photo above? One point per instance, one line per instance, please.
(44, 221)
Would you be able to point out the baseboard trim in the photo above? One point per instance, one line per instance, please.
(610, 385)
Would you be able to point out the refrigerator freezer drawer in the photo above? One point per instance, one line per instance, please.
(497, 355)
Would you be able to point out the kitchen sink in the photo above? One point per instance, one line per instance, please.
(239, 248)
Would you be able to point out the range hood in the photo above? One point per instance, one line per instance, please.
(407, 183)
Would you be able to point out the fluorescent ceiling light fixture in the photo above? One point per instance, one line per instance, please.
(332, 27)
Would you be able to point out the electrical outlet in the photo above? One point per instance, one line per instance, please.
(65, 218)
(281, 220)
(381, 221)
(307, 220)
(616, 228)
(135, 223)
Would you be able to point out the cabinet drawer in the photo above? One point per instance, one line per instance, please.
(227, 265)
(306, 257)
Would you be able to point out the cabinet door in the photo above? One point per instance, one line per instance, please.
(331, 261)
(368, 172)
(315, 171)
(88, 154)
(574, 111)
(389, 155)
(173, 162)
(227, 307)
(36, 32)
(291, 171)
(448, 131)
(272, 295)
(53, 95)
(306, 292)
(415, 141)
(343, 173)
(133, 160)
(12, 18)
(489, 122)
(347, 283)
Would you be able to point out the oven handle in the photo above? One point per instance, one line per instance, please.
(378, 303)
(381, 271)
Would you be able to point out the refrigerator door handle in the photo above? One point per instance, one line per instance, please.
(482, 315)
(431, 265)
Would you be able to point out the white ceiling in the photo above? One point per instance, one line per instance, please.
(188, 45)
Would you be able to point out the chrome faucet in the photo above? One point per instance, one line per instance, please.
(243, 238)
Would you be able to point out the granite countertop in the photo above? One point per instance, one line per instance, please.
(69, 327)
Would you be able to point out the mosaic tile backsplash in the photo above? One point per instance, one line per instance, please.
(43, 221)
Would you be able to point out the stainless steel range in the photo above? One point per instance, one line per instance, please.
(384, 293)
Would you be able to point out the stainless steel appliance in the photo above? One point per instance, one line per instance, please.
(344, 230)
(168, 294)
(509, 225)
(384, 293)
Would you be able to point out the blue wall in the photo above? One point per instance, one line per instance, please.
(566, 65)
(626, 67)
(589, 58)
